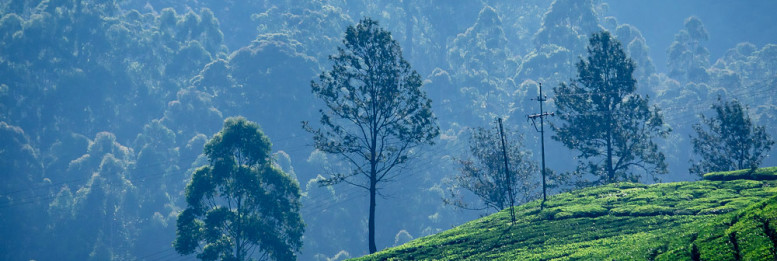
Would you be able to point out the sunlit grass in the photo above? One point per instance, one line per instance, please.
(719, 219)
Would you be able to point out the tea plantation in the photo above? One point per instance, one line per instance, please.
(727, 216)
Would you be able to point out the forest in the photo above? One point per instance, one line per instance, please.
(122, 122)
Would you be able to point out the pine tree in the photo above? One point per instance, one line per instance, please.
(376, 112)
(603, 117)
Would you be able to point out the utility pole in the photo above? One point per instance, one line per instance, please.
(507, 172)
(541, 116)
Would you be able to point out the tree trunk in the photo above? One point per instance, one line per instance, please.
(239, 233)
(373, 180)
(610, 171)
(373, 189)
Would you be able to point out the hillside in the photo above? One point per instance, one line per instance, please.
(719, 219)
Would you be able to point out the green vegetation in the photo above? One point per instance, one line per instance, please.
(106, 106)
(604, 118)
(482, 172)
(758, 174)
(729, 140)
(702, 220)
(240, 203)
(376, 112)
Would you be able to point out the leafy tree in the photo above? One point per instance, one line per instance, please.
(560, 38)
(270, 71)
(729, 140)
(567, 23)
(240, 204)
(687, 58)
(483, 173)
(191, 101)
(104, 211)
(159, 180)
(604, 119)
(636, 47)
(376, 112)
(312, 23)
(130, 64)
(103, 145)
(21, 169)
(746, 70)
(97, 220)
(484, 68)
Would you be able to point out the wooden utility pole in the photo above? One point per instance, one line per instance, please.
(507, 172)
(541, 116)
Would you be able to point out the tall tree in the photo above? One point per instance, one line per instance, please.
(21, 172)
(376, 112)
(604, 119)
(483, 68)
(687, 58)
(729, 140)
(483, 172)
(240, 205)
(567, 23)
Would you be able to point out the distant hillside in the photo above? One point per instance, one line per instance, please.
(725, 218)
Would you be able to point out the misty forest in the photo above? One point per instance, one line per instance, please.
(334, 129)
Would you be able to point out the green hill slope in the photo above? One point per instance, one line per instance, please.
(723, 219)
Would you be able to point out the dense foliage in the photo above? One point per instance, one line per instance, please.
(482, 172)
(729, 140)
(603, 118)
(106, 105)
(240, 206)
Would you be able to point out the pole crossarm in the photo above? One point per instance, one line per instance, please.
(541, 98)
(538, 115)
(541, 115)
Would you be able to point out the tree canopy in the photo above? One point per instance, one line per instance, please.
(375, 111)
(240, 205)
(482, 172)
(728, 140)
(605, 120)
(106, 105)
(687, 57)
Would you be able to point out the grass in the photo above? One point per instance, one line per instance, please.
(724, 219)
(758, 174)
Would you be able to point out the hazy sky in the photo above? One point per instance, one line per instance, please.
(728, 22)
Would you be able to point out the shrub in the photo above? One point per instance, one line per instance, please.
(757, 174)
